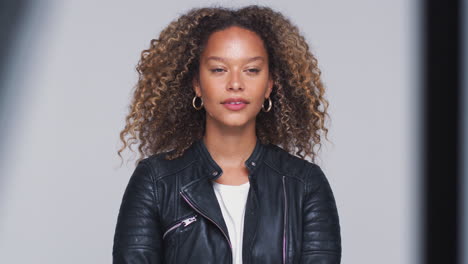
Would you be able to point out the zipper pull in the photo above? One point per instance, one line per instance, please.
(190, 220)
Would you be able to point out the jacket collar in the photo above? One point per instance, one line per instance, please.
(199, 193)
(210, 166)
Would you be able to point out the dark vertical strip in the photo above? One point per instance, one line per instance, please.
(11, 13)
(463, 187)
(442, 91)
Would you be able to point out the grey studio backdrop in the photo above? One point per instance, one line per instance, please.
(67, 88)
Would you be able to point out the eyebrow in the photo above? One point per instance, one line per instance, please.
(224, 60)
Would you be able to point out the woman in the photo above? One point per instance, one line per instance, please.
(218, 91)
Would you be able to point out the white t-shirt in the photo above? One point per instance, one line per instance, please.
(232, 200)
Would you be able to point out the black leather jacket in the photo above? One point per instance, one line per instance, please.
(170, 214)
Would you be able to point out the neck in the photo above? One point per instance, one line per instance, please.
(230, 150)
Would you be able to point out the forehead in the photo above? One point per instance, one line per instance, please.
(234, 43)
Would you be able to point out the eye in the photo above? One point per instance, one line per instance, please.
(253, 70)
(217, 70)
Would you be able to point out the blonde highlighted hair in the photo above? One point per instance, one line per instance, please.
(161, 116)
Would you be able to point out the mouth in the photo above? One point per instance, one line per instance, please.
(235, 106)
(235, 101)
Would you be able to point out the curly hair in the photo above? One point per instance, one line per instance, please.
(161, 117)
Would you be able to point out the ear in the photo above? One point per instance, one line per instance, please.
(196, 86)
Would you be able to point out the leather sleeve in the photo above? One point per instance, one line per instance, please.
(138, 236)
(321, 238)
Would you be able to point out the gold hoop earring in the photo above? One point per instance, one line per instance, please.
(270, 104)
(193, 103)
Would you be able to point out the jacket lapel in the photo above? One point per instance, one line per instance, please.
(201, 197)
(199, 194)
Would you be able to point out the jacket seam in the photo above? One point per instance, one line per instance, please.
(151, 174)
(158, 178)
(307, 186)
(176, 209)
(329, 252)
(309, 191)
(153, 183)
(281, 173)
(135, 247)
(253, 238)
(193, 182)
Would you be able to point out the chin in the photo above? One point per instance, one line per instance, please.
(237, 123)
(232, 120)
(234, 123)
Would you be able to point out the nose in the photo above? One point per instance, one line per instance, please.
(235, 81)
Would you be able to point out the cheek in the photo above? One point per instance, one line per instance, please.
(260, 85)
(211, 91)
(209, 83)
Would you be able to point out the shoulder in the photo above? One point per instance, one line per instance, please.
(293, 166)
(161, 167)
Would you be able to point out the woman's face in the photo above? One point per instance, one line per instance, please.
(233, 65)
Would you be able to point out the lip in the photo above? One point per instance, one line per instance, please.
(241, 103)
(235, 107)
(238, 99)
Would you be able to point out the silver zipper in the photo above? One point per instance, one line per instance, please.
(285, 214)
(184, 222)
(191, 205)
